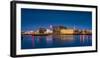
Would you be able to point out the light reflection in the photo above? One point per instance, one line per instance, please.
(56, 41)
(67, 37)
(84, 38)
(49, 40)
(33, 42)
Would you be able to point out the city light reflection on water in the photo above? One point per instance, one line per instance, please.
(53, 41)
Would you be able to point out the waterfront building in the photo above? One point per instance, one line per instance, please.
(62, 30)
(57, 29)
(48, 31)
(67, 31)
(42, 30)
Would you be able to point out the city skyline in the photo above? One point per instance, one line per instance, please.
(32, 19)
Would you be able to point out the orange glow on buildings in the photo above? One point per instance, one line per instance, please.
(67, 31)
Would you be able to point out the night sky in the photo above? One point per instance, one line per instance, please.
(32, 19)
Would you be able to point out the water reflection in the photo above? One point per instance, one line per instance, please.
(33, 42)
(67, 37)
(30, 42)
(85, 39)
(49, 40)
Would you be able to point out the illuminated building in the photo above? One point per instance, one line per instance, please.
(67, 31)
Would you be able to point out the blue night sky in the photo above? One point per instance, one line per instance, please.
(32, 19)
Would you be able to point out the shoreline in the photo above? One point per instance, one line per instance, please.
(53, 34)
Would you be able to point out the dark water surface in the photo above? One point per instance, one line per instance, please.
(53, 41)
